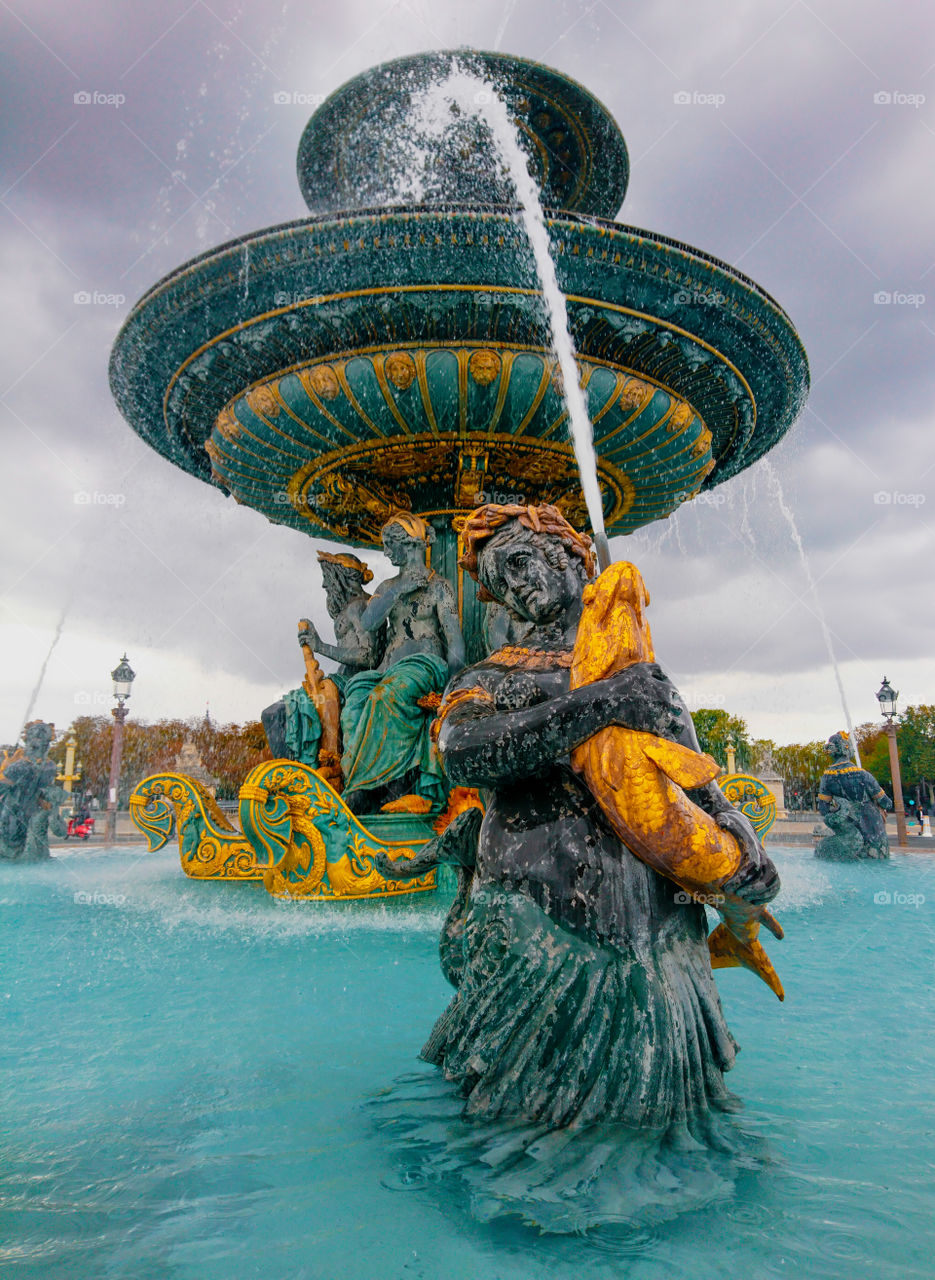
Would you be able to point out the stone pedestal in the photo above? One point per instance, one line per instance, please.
(189, 762)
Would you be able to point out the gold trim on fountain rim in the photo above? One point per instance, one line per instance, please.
(380, 473)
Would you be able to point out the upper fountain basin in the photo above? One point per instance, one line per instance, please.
(384, 140)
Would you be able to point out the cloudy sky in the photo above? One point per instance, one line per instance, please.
(805, 158)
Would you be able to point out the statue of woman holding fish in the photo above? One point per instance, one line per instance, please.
(585, 994)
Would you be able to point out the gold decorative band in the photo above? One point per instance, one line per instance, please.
(457, 699)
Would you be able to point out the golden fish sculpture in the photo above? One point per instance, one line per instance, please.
(639, 780)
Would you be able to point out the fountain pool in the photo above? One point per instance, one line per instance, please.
(186, 1070)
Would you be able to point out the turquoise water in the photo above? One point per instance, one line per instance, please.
(184, 1068)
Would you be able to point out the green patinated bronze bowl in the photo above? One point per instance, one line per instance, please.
(356, 151)
(332, 369)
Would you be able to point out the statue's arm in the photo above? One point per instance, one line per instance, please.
(382, 601)
(826, 803)
(483, 747)
(876, 793)
(351, 655)
(456, 846)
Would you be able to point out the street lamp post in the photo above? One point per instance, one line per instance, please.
(123, 676)
(887, 699)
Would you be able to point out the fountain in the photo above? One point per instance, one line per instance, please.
(393, 353)
(336, 345)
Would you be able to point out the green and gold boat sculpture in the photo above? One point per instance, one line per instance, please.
(390, 353)
(298, 838)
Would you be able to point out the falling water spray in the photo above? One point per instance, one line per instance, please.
(772, 479)
(476, 96)
(34, 696)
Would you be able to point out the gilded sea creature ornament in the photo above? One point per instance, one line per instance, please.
(640, 780)
(752, 797)
(313, 846)
(210, 848)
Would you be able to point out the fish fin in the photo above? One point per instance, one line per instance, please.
(727, 951)
(685, 767)
(775, 928)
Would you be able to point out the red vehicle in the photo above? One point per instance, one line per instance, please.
(80, 826)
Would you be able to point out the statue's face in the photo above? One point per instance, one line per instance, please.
(517, 572)
(837, 747)
(398, 544)
(37, 739)
(340, 586)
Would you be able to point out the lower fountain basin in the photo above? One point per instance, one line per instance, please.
(355, 346)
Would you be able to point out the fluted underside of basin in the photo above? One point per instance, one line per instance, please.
(339, 444)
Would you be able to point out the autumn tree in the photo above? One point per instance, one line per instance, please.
(228, 751)
(915, 739)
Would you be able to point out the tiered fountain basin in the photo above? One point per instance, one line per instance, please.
(327, 371)
(393, 350)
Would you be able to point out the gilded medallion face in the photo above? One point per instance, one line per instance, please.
(323, 381)
(400, 369)
(484, 367)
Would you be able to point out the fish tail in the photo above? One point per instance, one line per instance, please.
(727, 951)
